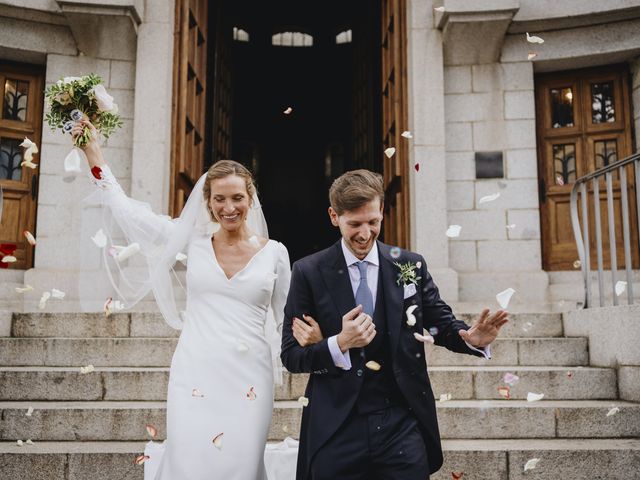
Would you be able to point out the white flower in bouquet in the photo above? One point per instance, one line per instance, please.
(103, 99)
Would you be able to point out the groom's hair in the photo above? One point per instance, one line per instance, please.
(353, 189)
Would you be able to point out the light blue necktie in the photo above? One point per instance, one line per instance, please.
(363, 294)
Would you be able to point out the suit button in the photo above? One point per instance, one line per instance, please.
(359, 372)
(362, 354)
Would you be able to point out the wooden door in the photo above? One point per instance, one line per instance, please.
(394, 122)
(189, 99)
(222, 91)
(20, 116)
(583, 124)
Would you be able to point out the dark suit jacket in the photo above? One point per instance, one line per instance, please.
(320, 287)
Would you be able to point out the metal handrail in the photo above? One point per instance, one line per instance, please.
(582, 234)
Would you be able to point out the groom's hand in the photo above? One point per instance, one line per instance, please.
(358, 330)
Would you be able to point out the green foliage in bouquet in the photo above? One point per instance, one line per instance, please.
(72, 96)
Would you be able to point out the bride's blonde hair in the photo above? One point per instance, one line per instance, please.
(222, 169)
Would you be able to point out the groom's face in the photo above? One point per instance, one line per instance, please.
(360, 227)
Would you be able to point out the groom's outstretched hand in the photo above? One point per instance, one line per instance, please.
(485, 329)
(358, 330)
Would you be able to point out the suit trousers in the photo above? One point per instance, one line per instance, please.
(383, 445)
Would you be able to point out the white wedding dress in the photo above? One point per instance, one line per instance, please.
(221, 378)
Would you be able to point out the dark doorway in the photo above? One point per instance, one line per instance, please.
(321, 60)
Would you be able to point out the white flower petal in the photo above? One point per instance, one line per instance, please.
(373, 365)
(26, 143)
(613, 411)
(59, 294)
(511, 226)
(29, 236)
(453, 231)
(439, 9)
(251, 394)
(288, 111)
(29, 412)
(531, 55)
(407, 134)
(72, 161)
(534, 397)
(504, 297)
(620, 287)
(128, 251)
(29, 442)
(26, 288)
(534, 39)
(445, 397)
(389, 152)
(181, 257)
(9, 259)
(20, 443)
(43, 300)
(242, 347)
(424, 338)
(489, 198)
(196, 393)
(304, 401)
(411, 318)
(100, 239)
(151, 430)
(531, 464)
(217, 441)
(88, 369)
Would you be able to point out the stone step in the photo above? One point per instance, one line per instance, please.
(157, 352)
(519, 351)
(480, 419)
(149, 324)
(150, 383)
(478, 459)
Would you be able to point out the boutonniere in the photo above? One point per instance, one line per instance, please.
(408, 273)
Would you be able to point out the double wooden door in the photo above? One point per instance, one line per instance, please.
(583, 124)
(20, 116)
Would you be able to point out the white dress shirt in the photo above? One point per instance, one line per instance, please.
(343, 360)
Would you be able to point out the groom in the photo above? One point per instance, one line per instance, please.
(371, 412)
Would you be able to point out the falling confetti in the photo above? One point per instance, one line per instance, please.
(531, 55)
(407, 134)
(29, 236)
(288, 111)
(577, 264)
(424, 338)
(569, 374)
(411, 318)
(418, 265)
(181, 257)
(439, 9)
(534, 397)
(43, 300)
(534, 39)
(489, 198)
(456, 475)
(59, 294)
(504, 297)
(505, 392)
(26, 288)
(510, 378)
(395, 253)
(151, 430)
(196, 393)
(285, 428)
(445, 397)
(613, 411)
(304, 401)
(217, 441)
(390, 152)
(453, 231)
(511, 226)
(140, 459)
(242, 347)
(373, 365)
(29, 442)
(531, 464)
(29, 412)
(620, 287)
(417, 167)
(20, 443)
(9, 259)
(128, 251)
(251, 394)
(559, 180)
(30, 149)
(88, 369)
(72, 161)
(100, 239)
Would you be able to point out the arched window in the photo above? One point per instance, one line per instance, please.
(292, 39)
(240, 35)
(343, 37)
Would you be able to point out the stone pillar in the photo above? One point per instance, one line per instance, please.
(427, 148)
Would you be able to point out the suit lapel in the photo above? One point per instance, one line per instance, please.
(393, 294)
(336, 277)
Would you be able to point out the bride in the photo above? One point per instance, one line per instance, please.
(220, 396)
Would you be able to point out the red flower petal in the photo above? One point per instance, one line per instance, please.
(152, 431)
(417, 167)
(140, 459)
(96, 172)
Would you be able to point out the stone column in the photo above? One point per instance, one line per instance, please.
(427, 119)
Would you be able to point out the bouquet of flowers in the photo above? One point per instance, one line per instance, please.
(73, 98)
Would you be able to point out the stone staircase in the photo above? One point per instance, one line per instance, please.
(91, 426)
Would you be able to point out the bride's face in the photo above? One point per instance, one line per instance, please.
(229, 201)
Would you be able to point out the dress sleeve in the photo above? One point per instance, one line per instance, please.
(131, 215)
(276, 312)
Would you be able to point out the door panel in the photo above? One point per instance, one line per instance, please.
(394, 122)
(21, 106)
(583, 124)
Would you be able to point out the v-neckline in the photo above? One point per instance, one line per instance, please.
(246, 265)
